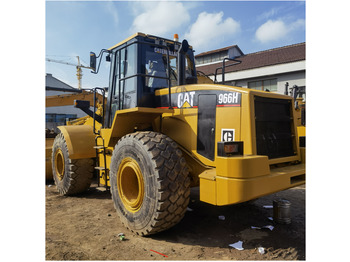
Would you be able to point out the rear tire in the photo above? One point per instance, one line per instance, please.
(149, 182)
(71, 176)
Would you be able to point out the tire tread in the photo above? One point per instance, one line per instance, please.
(171, 172)
(79, 173)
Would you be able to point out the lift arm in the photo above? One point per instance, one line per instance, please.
(68, 99)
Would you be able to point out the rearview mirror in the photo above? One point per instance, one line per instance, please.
(93, 61)
(181, 65)
(184, 46)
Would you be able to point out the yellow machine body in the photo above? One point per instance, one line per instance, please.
(229, 180)
(223, 180)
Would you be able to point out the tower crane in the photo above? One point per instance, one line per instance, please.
(79, 66)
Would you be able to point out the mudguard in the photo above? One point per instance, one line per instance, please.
(80, 141)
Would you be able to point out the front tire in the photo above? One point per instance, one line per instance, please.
(71, 176)
(149, 182)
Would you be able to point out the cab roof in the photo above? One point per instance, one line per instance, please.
(147, 36)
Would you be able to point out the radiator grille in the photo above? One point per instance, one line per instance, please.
(273, 122)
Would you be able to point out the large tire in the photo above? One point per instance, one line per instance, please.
(71, 176)
(149, 182)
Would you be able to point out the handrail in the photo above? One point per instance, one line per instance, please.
(223, 68)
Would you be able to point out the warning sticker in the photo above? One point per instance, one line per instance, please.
(227, 135)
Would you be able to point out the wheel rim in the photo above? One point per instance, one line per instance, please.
(130, 184)
(59, 164)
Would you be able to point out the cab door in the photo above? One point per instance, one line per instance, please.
(123, 82)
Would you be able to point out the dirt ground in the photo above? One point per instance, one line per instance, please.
(86, 227)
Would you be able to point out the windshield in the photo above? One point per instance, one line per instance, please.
(155, 66)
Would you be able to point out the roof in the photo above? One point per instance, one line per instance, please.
(127, 39)
(219, 50)
(52, 81)
(280, 55)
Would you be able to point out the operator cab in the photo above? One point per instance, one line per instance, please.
(142, 64)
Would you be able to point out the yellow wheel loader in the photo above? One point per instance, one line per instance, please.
(66, 100)
(160, 133)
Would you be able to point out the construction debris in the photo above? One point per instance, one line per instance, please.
(237, 245)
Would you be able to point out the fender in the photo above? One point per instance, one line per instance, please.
(80, 141)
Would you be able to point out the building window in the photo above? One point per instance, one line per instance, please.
(199, 60)
(263, 85)
(60, 118)
(215, 57)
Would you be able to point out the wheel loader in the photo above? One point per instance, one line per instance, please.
(162, 132)
(65, 100)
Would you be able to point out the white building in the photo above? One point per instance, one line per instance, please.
(265, 70)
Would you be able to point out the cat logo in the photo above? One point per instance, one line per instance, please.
(185, 100)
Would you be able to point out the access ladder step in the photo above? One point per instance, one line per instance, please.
(99, 147)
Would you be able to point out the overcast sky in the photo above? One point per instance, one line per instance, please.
(74, 28)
